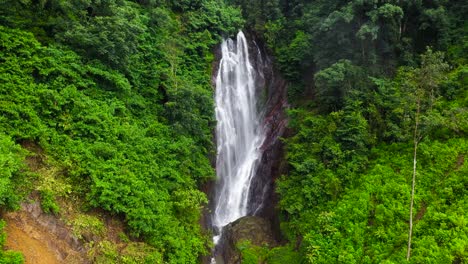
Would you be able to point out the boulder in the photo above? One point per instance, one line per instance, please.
(255, 229)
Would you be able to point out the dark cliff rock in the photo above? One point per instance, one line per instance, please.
(273, 87)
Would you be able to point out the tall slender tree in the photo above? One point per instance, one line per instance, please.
(425, 81)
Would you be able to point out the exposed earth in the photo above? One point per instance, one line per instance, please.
(42, 238)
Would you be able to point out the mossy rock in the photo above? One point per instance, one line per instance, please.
(254, 229)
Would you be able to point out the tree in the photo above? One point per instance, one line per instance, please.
(425, 81)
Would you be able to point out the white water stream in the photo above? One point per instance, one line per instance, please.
(239, 134)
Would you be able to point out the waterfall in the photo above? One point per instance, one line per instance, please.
(239, 133)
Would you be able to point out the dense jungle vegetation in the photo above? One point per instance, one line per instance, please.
(118, 96)
(374, 87)
(115, 97)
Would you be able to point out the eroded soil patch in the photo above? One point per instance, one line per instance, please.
(42, 238)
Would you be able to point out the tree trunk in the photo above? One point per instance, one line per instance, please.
(415, 141)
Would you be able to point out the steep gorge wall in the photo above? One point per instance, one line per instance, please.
(274, 91)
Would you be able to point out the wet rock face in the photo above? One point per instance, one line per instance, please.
(273, 87)
(255, 229)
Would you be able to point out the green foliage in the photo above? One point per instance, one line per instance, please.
(360, 75)
(48, 202)
(136, 253)
(252, 254)
(375, 35)
(109, 31)
(105, 252)
(87, 225)
(294, 55)
(369, 223)
(346, 194)
(52, 185)
(335, 84)
(11, 164)
(325, 155)
(118, 95)
(284, 254)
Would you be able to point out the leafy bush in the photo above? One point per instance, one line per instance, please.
(11, 164)
(87, 226)
(48, 202)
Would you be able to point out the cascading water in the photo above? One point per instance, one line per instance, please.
(239, 133)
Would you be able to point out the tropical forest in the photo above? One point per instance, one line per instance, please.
(233, 131)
